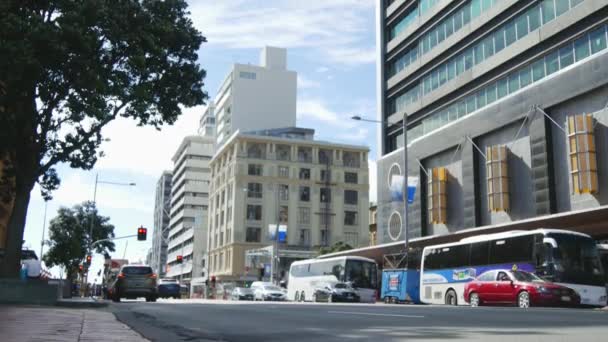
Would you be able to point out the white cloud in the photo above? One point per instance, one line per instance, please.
(316, 110)
(339, 29)
(306, 83)
(373, 180)
(322, 69)
(360, 134)
(144, 149)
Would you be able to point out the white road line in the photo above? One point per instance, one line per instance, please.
(372, 314)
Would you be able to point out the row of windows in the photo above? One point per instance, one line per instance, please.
(255, 190)
(411, 16)
(304, 174)
(254, 235)
(443, 30)
(493, 43)
(505, 251)
(572, 52)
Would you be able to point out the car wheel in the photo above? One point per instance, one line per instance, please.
(450, 298)
(523, 300)
(474, 299)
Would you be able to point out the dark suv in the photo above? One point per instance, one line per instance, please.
(134, 281)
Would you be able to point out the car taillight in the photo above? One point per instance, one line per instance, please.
(153, 276)
(121, 275)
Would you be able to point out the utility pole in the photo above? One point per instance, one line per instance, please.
(43, 230)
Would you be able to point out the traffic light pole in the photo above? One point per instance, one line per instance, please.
(113, 239)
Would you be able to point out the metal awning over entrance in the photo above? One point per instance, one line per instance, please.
(593, 222)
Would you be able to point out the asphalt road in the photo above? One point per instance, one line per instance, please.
(233, 321)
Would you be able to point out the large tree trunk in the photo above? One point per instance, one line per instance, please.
(11, 263)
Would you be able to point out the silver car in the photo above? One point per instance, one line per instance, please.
(242, 293)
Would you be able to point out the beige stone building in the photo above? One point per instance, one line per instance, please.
(318, 190)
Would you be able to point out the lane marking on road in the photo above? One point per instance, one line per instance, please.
(372, 314)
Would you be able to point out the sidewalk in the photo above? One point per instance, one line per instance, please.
(40, 323)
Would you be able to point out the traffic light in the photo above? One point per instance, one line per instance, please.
(88, 260)
(141, 233)
(180, 259)
(80, 267)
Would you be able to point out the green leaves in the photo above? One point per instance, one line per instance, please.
(69, 235)
(75, 66)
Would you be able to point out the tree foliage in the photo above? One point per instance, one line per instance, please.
(69, 236)
(68, 68)
(336, 247)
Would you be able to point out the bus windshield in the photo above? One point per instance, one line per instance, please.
(576, 260)
(361, 274)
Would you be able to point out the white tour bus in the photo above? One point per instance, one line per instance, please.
(361, 273)
(564, 257)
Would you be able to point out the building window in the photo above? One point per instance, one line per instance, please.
(351, 177)
(304, 237)
(305, 154)
(352, 239)
(283, 214)
(255, 170)
(283, 192)
(304, 216)
(325, 195)
(325, 156)
(253, 234)
(284, 171)
(351, 197)
(324, 237)
(351, 159)
(254, 190)
(283, 152)
(437, 195)
(497, 177)
(305, 194)
(583, 162)
(325, 175)
(254, 212)
(247, 75)
(255, 150)
(350, 218)
(304, 173)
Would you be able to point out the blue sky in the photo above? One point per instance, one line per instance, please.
(331, 44)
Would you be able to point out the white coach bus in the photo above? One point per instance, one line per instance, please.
(563, 257)
(361, 273)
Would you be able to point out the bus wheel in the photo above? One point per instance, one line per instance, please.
(474, 299)
(387, 300)
(393, 300)
(302, 297)
(450, 298)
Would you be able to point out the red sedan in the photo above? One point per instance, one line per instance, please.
(517, 287)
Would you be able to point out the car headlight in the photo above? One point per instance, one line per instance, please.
(543, 289)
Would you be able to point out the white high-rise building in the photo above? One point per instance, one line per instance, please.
(189, 204)
(162, 206)
(257, 97)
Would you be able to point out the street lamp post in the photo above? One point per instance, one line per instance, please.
(97, 181)
(405, 170)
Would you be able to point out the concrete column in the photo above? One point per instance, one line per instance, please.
(542, 170)
(470, 190)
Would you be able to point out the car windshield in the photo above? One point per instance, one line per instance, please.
(526, 276)
(341, 286)
(137, 270)
(272, 288)
(577, 260)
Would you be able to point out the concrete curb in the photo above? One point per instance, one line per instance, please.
(81, 303)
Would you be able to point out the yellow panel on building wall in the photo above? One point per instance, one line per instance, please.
(497, 176)
(583, 159)
(437, 195)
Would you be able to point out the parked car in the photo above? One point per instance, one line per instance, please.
(269, 292)
(521, 288)
(242, 293)
(134, 281)
(168, 288)
(335, 292)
